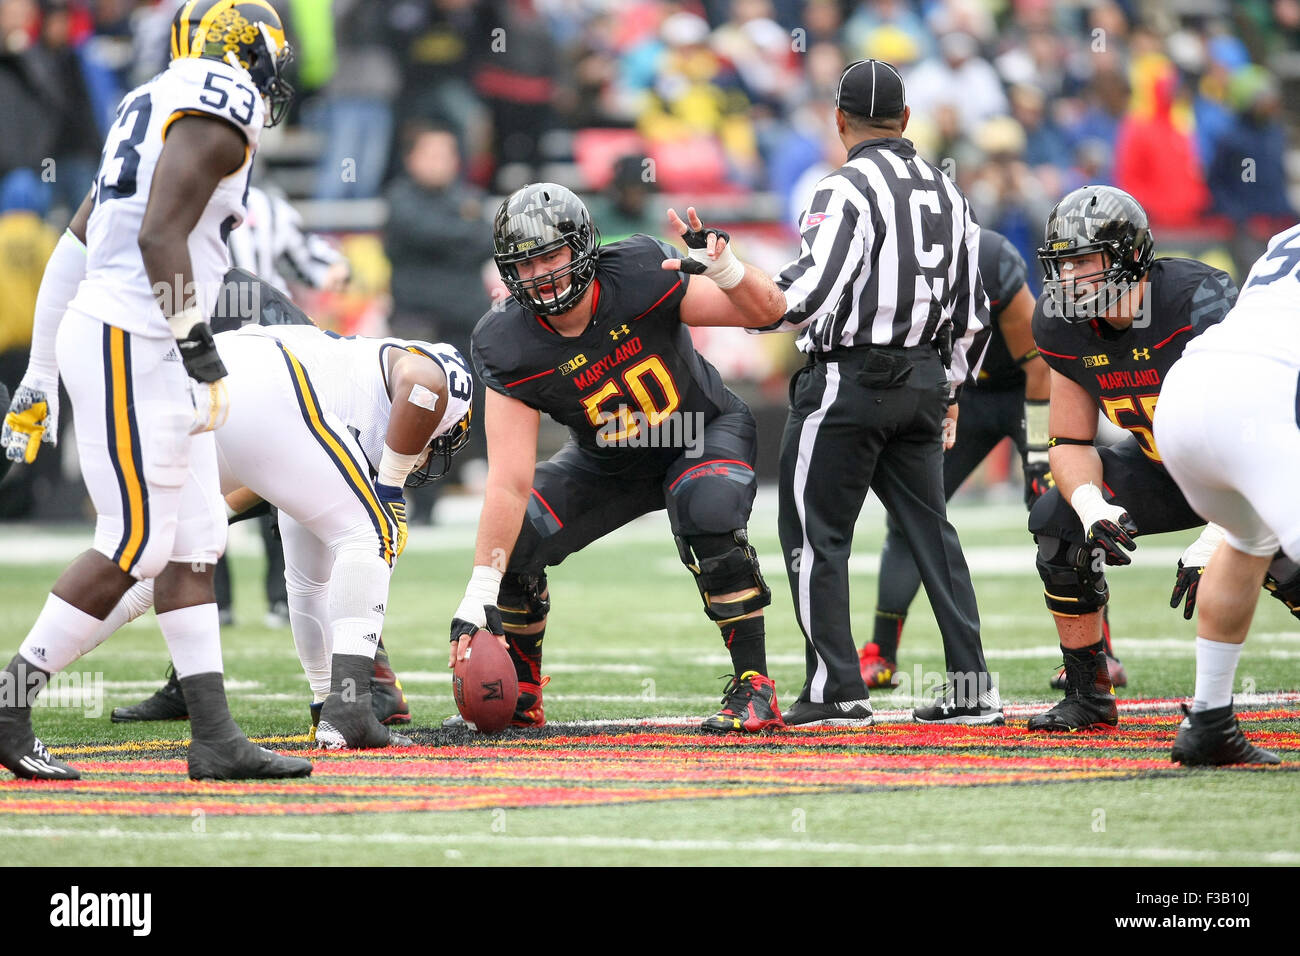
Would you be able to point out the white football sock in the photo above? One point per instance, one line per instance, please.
(1216, 667)
(193, 637)
(358, 596)
(58, 636)
(308, 613)
(137, 599)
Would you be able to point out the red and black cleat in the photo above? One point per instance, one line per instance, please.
(876, 671)
(749, 706)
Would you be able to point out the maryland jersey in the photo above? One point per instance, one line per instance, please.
(1123, 371)
(1002, 270)
(117, 291)
(350, 377)
(628, 380)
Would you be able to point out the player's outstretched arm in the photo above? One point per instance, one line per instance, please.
(199, 152)
(33, 417)
(511, 428)
(738, 295)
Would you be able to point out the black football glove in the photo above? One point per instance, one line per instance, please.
(699, 239)
(461, 628)
(1111, 538)
(1038, 482)
(1188, 580)
(199, 353)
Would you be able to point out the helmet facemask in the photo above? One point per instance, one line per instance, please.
(1103, 290)
(579, 270)
(439, 453)
(269, 61)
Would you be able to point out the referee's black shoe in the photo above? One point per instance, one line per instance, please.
(1213, 738)
(1089, 698)
(985, 712)
(843, 713)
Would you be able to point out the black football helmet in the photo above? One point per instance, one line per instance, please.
(244, 33)
(1095, 219)
(441, 451)
(537, 219)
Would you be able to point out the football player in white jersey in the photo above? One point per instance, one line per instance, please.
(340, 411)
(137, 356)
(1235, 453)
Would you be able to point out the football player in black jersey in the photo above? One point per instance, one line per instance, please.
(1009, 400)
(1111, 321)
(598, 339)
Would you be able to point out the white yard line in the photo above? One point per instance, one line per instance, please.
(872, 850)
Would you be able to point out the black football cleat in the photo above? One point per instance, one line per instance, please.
(945, 709)
(386, 694)
(844, 713)
(26, 756)
(748, 707)
(1089, 702)
(1213, 738)
(237, 758)
(1118, 676)
(352, 726)
(167, 703)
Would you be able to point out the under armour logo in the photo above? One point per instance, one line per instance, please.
(1141, 354)
(619, 332)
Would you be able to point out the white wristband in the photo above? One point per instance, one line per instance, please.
(1090, 505)
(1199, 551)
(484, 585)
(183, 322)
(726, 271)
(393, 468)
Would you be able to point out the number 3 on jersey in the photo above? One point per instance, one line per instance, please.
(652, 411)
(117, 170)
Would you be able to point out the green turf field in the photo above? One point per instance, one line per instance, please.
(628, 639)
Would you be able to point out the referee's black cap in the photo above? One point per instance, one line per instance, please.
(870, 88)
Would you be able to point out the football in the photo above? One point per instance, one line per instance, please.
(485, 684)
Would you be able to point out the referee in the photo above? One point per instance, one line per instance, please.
(894, 318)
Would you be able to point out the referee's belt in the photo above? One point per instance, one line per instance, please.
(860, 352)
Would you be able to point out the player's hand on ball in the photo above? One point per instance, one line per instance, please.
(462, 630)
(1189, 578)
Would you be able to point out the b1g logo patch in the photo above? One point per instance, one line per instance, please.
(577, 362)
(1095, 361)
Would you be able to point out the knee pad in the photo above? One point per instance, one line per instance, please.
(521, 600)
(723, 563)
(1070, 586)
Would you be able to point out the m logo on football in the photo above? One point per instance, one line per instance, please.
(492, 690)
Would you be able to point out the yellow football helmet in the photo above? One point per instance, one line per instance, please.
(244, 33)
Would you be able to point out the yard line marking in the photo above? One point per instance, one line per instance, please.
(873, 850)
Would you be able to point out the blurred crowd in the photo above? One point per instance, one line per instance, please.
(435, 106)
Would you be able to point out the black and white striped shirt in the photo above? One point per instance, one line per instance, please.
(272, 244)
(889, 255)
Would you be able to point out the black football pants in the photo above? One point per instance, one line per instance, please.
(871, 419)
(988, 415)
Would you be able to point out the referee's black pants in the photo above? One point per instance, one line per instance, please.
(868, 418)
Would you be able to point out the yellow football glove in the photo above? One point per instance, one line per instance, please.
(26, 425)
(394, 502)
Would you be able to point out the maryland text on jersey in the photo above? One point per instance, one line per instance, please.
(246, 34)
